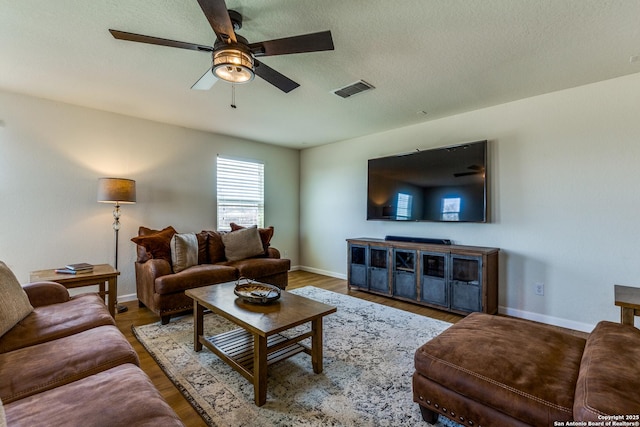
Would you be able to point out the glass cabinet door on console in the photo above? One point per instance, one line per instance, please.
(358, 266)
(466, 282)
(404, 274)
(433, 281)
(378, 272)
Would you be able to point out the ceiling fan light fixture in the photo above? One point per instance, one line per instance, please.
(233, 65)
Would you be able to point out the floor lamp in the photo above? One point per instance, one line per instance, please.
(116, 190)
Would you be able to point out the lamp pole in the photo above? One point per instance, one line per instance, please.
(116, 228)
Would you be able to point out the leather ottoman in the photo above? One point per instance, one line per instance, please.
(490, 370)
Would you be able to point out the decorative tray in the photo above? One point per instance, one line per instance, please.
(257, 293)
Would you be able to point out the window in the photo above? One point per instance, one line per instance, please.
(451, 209)
(240, 186)
(403, 210)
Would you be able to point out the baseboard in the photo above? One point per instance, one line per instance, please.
(550, 320)
(536, 317)
(323, 272)
(129, 297)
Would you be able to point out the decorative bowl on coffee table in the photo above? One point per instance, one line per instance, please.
(257, 293)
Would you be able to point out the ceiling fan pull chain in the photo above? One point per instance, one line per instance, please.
(233, 95)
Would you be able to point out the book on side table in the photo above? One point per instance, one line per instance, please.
(78, 268)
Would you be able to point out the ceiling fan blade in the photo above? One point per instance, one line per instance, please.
(280, 81)
(205, 82)
(122, 35)
(461, 174)
(297, 44)
(218, 17)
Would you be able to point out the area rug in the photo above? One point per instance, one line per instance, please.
(368, 363)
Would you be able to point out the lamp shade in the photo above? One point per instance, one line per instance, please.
(116, 190)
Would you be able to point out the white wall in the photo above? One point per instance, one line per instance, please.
(564, 192)
(565, 176)
(52, 154)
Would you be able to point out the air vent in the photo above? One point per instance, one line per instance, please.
(353, 89)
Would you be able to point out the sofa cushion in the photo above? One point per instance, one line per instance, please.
(194, 277)
(255, 268)
(158, 244)
(184, 251)
(55, 321)
(265, 234)
(215, 247)
(532, 377)
(242, 244)
(120, 396)
(58, 362)
(608, 383)
(14, 302)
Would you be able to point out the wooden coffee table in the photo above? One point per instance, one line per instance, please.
(258, 343)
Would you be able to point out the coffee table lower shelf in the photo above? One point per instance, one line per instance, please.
(237, 349)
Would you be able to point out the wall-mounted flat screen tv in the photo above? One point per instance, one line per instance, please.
(447, 184)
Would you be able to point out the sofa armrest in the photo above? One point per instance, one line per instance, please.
(273, 252)
(154, 268)
(608, 380)
(146, 274)
(46, 293)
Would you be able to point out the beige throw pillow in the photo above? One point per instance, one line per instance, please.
(14, 302)
(241, 244)
(184, 251)
(3, 419)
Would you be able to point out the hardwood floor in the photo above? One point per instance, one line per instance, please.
(297, 279)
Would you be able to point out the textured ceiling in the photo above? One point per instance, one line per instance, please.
(439, 57)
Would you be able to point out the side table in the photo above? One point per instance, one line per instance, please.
(102, 274)
(628, 299)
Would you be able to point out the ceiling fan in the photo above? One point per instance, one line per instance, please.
(234, 58)
(474, 170)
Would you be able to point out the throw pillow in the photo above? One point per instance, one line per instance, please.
(242, 244)
(14, 302)
(265, 234)
(203, 242)
(158, 244)
(184, 251)
(3, 419)
(143, 255)
(215, 247)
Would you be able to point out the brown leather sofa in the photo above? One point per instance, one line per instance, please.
(67, 364)
(495, 371)
(161, 288)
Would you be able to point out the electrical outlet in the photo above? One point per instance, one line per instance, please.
(539, 288)
(286, 253)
